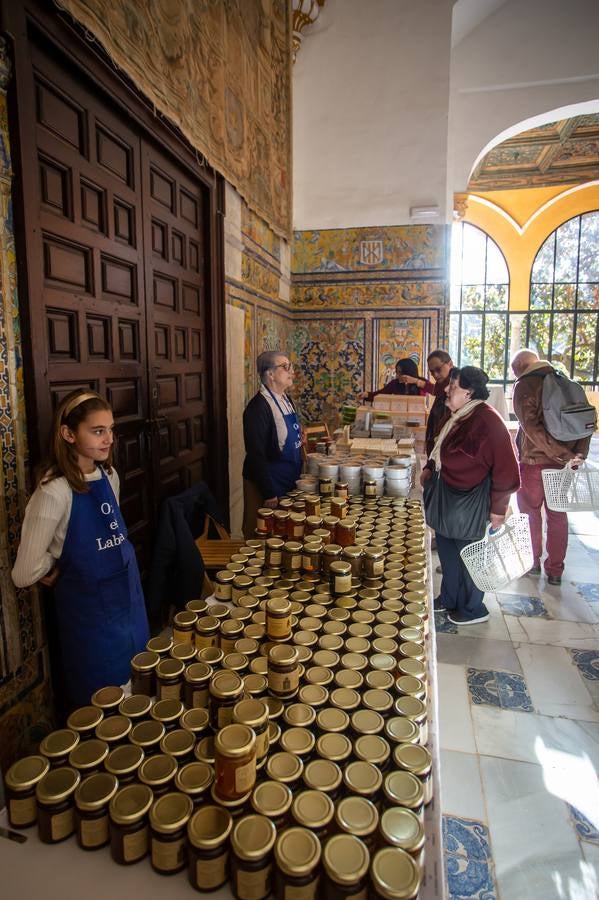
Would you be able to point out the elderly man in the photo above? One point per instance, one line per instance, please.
(272, 436)
(538, 450)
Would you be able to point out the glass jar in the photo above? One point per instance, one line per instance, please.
(57, 745)
(374, 749)
(415, 710)
(123, 762)
(92, 798)
(417, 760)
(208, 833)
(280, 518)
(226, 689)
(147, 735)
(273, 799)
(235, 761)
(168, 712)
(402, 828)
(128, 811)
(404, 789)
(332, 719)
(195, 720)
(241, 585)
(161, 644)
(299, 715)
(196, 683)
(291, 556)
(198, 606)
(340, 577)
(278, 619)
(207, 628)
(55, 804)
(255, 686)
(312, 504)
(178, 743)
(158, 772)
(333, 746)
(252, 842)
(107, 699)
(184, 627)
(136, 707)
(212, 656)
(323, 775)
(330, 553)
(369, 488)
(20, 782)
(114, 730)
(273, 552)
(296, 525)
(394, 875)
(85, 721)
(299, 741)
(169, 679)
(283, 671)
(345, 862)
(360, 817)
(345, 533)
(88, 756)
(297, 857)
(223, 585)
(364, 780)
(169, 816)
(230, 632)
(285, 768)
(325, 487)
(254, 714)
(195, 780)
(204, 751)
(373, 562)
(353, 555)
(185, 652)
(264, 521)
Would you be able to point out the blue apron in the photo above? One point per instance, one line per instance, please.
(99, 599)
(285, 471)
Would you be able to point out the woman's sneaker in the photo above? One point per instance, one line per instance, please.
(440, 605)
(467, 618)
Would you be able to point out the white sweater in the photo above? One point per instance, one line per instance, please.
(45, 527)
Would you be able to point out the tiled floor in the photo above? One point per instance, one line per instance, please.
(519, 734)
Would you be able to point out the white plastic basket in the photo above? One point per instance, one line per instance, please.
(572, 490)
(500, 556)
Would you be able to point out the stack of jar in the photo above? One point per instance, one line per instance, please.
(300, 711)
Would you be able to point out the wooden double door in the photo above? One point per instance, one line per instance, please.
(120, 288)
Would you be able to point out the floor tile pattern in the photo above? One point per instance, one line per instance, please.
(504, 689)
(587, 662)
(585, 829)
(521, 605)
(468, 860)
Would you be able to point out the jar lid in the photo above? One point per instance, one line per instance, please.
(107, 697)
(394, 874)
(382, 681)
(284, 767)
(147, 733)
(414, 758)
(135, 706)
(57, 785)
(412, 650)
(410, 666)
(58, 743)
(225, 684)
(357, 645)
(146, 660)
(130, 804)
(327, 658)
(26, 772)
(113, 729)
(367, 721)
(401, 730)
(275, 707)
(85, 718)
(304, 638)
(297, 851)
(96, 791)
(224, 576)
(297, 740)
(178, 742)
(312, 809)
(183, 652)
(404, 789)
(313, 694)
(88, 754)
(246, 645)
(345, 859)
(171, 812)
(167, 710)
(402, 828)
(409, 684)
(194, 778)
(322, 775)
(357, 815)
(283, 655)
(345, 698)
(318, 675)
(255, 685)
(272, 798)
(170, 668)
(330, 643)
(231, 626)
(381, 701)
(253, 837)
(207, 624)
(210, 655)
(234, 740)
(299, 714)
(196, 606)
(194, 720)
(333, 746)
(355, 661)
(411, 707)
(362, 778)
(124, 760)
(185, 619)
(209, 827)
(372, 748)
(157, 770)
(251, 712)
(204, 750)
(160, 644)
(332, 719)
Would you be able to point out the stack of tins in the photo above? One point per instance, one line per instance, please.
(277, 738)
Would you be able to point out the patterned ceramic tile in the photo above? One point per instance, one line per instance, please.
(587, 662)
(585, 829)
(468, 860)
(443, 625)
(588, 590)
(521, 605)
(503, 689)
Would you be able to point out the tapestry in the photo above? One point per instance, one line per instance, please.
(220, 71)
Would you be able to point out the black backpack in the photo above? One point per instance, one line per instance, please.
(567, 414)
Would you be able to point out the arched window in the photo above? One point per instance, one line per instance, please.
(478, 305)
(564, 298)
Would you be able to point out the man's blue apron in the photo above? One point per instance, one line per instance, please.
(285, 471)
(99, 599)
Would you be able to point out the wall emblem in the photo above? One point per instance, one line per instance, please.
(371, 253)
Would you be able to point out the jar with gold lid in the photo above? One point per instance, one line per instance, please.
(247, 646)
(366, 722)
(363, 779)
(128, 811)
(169, 816)
(278, 619)
(223, 585)
(291, 556)
(123, 762)
(195, 720)
(259, 665)
(92, 798)
(254, 714)
(235, 761)
(311, 556)
(312, 502)
(286, 768)
(135, 707)
(158, 772)
(353, 555)
(235, 662)
(299, 741)
(344, 698)
(208, 833)
(340, 574)
(347, 678)
(204, 751)
(252, 842)
(360, 817)
(107, 699)
(230, 632)
(88, 756)
(374, 749)
(264, 521)
(297, 857)
(299, 714)
(380, 701)
(394, 875)
(55, 804)
(345, 534)
(184, 623)
(20, 782)
(373, 562)
(345, 861)
(331, 642)
(313, 525)
(195, 687)
(207, 628)
(334, 746)
(314, 809)
(323, 775)
(318, 675)
(332, 719)
(382, 681)
(410, 666)
(296, 525)
(404, 789)
(273, 552)
(283, 671)
(169, 679)
(255, 686)
(415, 710)
(330, 553)
(114, 730)
(161, 644)
(413, 758)
(143, 672)
(198, 606)
(185, 652)
(57, 745)
(225, 690)
(273, 799)
(85, 720)
(241, 585)
(178, 743)
(402, 828)
(195, 780)
(147, 735)
(168, 712)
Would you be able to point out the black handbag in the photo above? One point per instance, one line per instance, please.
(454, 513)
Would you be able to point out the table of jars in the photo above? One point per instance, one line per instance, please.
(281, 738)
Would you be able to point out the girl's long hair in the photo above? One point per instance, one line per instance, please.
(63, 457)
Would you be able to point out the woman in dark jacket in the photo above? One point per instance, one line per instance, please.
(403, 367)
(473, 444)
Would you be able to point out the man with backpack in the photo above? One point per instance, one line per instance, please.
(556, 425)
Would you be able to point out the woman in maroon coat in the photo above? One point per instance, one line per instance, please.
(473, 444)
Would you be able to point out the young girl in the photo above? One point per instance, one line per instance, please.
(74, 538)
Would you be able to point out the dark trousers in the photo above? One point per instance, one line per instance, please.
(458, 590)
(531, 500)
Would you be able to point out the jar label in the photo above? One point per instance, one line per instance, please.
(274, 557)
(342, 584)
(210, 873)
(378, 567)
(326, 489)
(253, 885)
(205, 640)
(182, 637)
(199, 698)
(223, 591)
(94, 832)
(307, 564)
(245, 777)
(168, 855)
(135, 845)
(262, 744)
(169, 691)
(305, 892)
(294, 561)
(297, 530)
(224, 716)
(22, 811)
(62, 824)
(283, 684)
(278, 628)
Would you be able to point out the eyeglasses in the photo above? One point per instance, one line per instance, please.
(287, 366)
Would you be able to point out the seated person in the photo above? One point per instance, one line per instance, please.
(396, 385)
